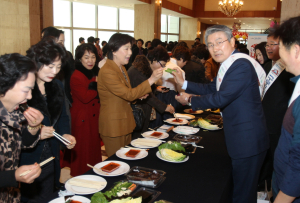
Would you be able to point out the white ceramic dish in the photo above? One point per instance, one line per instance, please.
(170, 121)
(148, 135)
(120, 171)
(121, 154)
(133, 143)
(160, 157)
(77, 198)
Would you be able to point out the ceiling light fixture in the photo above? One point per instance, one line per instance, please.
(230, 7)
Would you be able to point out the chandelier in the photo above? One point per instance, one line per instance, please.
(230, 7)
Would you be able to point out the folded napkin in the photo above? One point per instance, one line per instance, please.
(186, 130)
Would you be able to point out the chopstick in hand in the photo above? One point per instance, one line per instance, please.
(61, 138)
(175, 114)
(41, 164)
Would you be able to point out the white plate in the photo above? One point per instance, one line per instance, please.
(143, 146)
(78, 198)
(124, 168)
(148, 135)
(83, 190)
(196, 112)
(187, 132)
(121, 154)
(160, 157)
(170, 120)
(185, 116)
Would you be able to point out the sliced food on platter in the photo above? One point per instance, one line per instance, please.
(172, 152)
(193, 112)
(206, 125)
(184, 116)
(85, 184)
(155, 135)
(111, 168)
(131, 154)
(175, 121)
(145, 143)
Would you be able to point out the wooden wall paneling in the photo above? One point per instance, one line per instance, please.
(175, 7)
(47, 13)
(34, 21)
(146, 1)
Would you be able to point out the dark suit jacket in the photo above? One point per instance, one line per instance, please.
(276, 99)
(239, 99)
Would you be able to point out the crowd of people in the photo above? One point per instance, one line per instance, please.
(87, 100)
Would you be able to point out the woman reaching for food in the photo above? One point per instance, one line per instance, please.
(116, 121)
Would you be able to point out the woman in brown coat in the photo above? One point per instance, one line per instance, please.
(116, 121)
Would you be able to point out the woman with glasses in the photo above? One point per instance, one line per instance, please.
(142, 69)
(116, 121)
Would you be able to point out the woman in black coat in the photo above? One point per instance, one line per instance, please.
(140, 71)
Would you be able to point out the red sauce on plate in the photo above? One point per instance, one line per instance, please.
(156, 134)
(110, 167)
(132, 153)
(177, 120)
(191, 111)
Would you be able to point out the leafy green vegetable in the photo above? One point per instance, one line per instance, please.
(171, 155)
(193, 123)
(173, 146)
(121, 200)
(169, 70)
(99, 197)
(119, 185)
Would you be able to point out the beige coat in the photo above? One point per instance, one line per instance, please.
(116, 118)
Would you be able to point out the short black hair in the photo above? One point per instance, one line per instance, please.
(97, 39)
(103, 42)
(81, 39)
(201, 53)
(156, 42)
(91, 39)
(13, 68)
(197, 38)
(158, 54)
(181, 52)
(261, 47)
(46, 51)
(116, 41)
(244, 50)
(289, 32)
(140, 41)
(146, 44)
(182, 43)
(86, 47)
(170, 47)
(52, 32)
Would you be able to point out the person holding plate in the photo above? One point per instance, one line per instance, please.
(17, 130)
(237, 91)
(49, 98)
(116, 121)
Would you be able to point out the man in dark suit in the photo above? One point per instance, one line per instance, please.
(277, 93)
(237, 95)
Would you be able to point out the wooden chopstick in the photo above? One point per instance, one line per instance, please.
(61, 138)
(175, 114)
(97, 169)
(41, 164)
(151, 129)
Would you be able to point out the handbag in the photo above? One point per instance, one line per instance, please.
(139, 115)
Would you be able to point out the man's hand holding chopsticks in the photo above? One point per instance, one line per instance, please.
(71, 139)
(30, 177)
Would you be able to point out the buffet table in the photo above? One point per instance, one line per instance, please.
(205, 177)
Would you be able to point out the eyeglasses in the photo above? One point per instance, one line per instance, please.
(218, 44)
(270, 45)
(161, 64)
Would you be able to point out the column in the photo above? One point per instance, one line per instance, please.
(289, 8)
(147, 18)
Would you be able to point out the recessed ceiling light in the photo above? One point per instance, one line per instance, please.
(240, 21)
(244, 23)
(217, 22)
(234, 18)
(269, 18)
(210, 20)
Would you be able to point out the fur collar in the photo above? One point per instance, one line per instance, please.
(52, 107)
(88, 73)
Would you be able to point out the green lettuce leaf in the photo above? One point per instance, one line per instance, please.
(169, 70)
(99, 197)
(173, 146)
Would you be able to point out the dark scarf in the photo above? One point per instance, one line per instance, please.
(88, 73)
(52, 106)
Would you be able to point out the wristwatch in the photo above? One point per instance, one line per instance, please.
(190, 101)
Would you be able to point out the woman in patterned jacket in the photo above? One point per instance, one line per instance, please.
(17, 77)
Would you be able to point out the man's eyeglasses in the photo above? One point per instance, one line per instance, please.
(161, 64)
(218, 44)
(270, 45)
